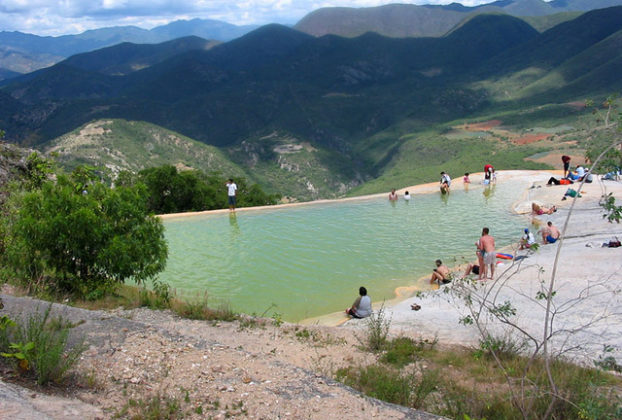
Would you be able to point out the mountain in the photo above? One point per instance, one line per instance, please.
(407, 20)
(312, 116)
(202, 28)
(23, 53)
(392, 20)
(560, 43)
(126, 57)
(7, 74)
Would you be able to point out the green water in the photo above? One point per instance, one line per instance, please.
(311, 260)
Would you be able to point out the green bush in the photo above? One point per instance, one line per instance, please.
(77, 241)
(39, 345)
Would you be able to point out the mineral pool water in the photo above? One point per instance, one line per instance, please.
(310, 260)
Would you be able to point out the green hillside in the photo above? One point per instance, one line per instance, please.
(546, 22)
(131, 145)
(280, 163)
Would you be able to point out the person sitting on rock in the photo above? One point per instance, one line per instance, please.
(361, 308)
(440, 274)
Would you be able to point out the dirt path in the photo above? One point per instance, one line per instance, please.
(243, 369)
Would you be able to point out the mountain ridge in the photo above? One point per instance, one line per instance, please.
(348, 106)
(408, 20)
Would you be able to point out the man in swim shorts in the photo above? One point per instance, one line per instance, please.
(440, 274)
(487, 244)
(550, 234)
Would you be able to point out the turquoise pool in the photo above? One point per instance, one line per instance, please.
(310, 260)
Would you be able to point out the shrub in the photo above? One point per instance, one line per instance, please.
(79, 242)
(377, 382)
(376, 332)
(504, 347)
(158, 298)
(403, 350)
(39, 344)
(198, 309)
(387, 384)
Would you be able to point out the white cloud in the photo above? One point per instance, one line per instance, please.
(54, 17)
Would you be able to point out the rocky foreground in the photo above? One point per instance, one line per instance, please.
(243, 369)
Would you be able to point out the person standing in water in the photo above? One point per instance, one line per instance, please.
(445, 182)
(488, 170)
(393, 195)
(407, 196)
(231, 193)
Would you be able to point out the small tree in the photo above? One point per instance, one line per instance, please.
(69, 240)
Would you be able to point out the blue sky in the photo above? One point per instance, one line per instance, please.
(58, 17)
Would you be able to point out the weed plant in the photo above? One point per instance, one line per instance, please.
(402, 351)
(199, 309)
(153, 408)
(387, 383)
(504, 347)
(158, 298)
(39, 346)
(376, 332)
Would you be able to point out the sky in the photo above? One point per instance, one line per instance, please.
(59, 17)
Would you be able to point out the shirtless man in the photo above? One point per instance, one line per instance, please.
(550, 234)
(440, 274)
(487, 246)
(393, 195)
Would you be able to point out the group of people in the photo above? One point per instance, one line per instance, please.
(485, 245)
(486, 260)
(579, 174)
(445, 182)
(550, 235)
(490, 177)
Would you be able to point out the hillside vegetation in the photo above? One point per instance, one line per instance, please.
(123, 145)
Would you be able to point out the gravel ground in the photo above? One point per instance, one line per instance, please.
(211, 369)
